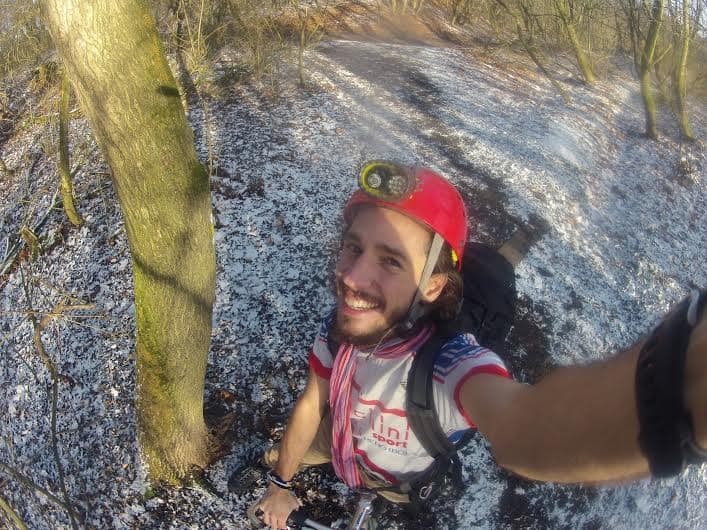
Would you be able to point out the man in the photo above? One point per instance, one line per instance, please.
(397, 277)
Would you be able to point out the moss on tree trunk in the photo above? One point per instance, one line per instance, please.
(117, 66)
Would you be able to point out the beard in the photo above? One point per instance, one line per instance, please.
(343, 329)
(362, 339)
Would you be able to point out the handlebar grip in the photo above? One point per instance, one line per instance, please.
(297, 519)
(300, 519)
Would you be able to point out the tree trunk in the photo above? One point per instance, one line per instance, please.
(583, 61)
(585, 65)
(634, 14)
(300, 66)
(680, 73)
(647, 58)
(114, 58)
(65, 184)
(300, 49)
(529, 46)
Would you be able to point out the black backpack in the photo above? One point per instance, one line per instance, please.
(487, 312)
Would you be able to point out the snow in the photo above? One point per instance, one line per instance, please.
(620, 225)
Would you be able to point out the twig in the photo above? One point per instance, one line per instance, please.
(6, 170)
(31, 484)
(6, 337)
(60, 310)
(12, 514)
(38, 326)
(55, 443)
(15, 249)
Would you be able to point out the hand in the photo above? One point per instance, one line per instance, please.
(696, 379)
(276, 506)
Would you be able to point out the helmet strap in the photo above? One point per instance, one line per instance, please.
(417, 309)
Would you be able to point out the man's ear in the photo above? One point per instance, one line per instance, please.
(435, 286)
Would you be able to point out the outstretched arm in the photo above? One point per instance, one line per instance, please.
(579, 424)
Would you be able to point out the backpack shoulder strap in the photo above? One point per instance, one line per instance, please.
(421, 410)
(424, 422)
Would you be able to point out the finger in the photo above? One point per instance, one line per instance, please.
(255, 513)
(269, 521)
(273, 521)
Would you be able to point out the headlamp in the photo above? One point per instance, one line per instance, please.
(386, 181)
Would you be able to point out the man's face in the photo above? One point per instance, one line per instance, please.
(381, 261)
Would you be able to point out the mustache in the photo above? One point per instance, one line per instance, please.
(342, 291)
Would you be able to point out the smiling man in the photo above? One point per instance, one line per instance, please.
(397, 281)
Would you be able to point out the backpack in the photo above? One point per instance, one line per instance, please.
(487, 312)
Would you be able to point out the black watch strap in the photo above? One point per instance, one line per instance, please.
(276, 479)
(667, 436)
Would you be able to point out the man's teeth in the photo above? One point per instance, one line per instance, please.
(357, 303)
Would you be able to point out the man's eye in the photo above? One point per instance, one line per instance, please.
(392, 263)
(352, 248)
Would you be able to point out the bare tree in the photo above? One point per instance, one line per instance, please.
(523, 20)
(683, 36)
(647, 60)
(567, 11)
(22, 41)
(309, 31)
(634, 12)
(458, 11)
(114, 58)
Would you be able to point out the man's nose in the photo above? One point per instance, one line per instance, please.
(358, 274)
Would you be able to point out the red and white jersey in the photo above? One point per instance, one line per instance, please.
(384, 443)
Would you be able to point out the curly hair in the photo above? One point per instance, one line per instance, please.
(447, 305)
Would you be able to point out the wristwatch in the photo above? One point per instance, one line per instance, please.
(667, 435)
(276, 479)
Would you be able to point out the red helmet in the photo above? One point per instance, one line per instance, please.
(417, 192)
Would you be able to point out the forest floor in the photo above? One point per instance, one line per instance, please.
(615, 226)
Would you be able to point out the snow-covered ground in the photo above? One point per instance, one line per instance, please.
(617, 226)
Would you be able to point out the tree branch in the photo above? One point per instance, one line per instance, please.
(16, 475)
(9, 259)
(38, 326)
(12, 514)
